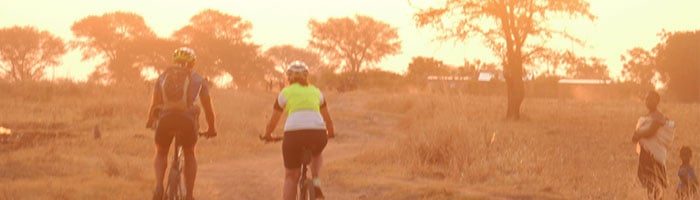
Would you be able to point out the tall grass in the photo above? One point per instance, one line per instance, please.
(562, 148)
(119, 165)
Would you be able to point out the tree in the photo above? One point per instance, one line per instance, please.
(474, 67)
(639, 66)
(421, 67)
(587, 68)
(380, 79)
(284, 54)
(354, 42)
(25, 52)
(155, 52)
(551, 62)
(514, 29)
(678, 59)
(116, 37)
(220, 41)
(467, 69)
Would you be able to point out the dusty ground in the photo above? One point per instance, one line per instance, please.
(260, 174)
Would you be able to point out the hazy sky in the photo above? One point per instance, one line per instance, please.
(621, 24)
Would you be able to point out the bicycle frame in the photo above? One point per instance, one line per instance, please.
(305, 187)
(175, 189)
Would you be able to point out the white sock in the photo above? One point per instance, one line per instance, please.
(316, 182)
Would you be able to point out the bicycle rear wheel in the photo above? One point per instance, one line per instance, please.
(171, 191)
(306, 187)
(310, 192)
(306, 190)
(175, 189)
(301, 194)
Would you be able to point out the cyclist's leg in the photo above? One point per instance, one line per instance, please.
(316, 164)
(188, 136)
(190, 170)
(160, 163)
(318, 140)
(291, 153)
(163, 138)
(291, 177)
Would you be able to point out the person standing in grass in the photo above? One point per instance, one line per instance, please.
(654, 135)
(687, 187)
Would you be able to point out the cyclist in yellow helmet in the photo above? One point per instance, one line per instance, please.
(308, 125)
(174, 115)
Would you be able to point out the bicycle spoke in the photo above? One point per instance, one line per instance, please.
(175, 188)
(310, 189)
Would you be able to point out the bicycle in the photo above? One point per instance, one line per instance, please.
(305, 186)
(175, 187)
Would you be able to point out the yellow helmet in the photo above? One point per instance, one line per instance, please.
(184, 55)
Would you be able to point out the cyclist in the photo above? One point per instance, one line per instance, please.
(179, 123)
(308, 125)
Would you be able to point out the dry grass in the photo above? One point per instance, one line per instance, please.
(119, 165)
(562, 149)
(436, 147)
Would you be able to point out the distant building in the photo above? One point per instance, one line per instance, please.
(498, 75)
(486, 76)
(449, 78)
(584, 81)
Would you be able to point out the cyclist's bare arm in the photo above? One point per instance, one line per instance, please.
(276, 115)
(155, 102)
(329, 122)
(208, 113)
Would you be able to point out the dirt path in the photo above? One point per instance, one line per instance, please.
(260, 175)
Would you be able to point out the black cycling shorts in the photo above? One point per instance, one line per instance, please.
(181, 127)
(294, 141)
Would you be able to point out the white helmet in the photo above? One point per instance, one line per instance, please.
(297, 69)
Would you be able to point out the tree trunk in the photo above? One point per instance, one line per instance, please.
(697, 85)
(515, 87)
(516, 94)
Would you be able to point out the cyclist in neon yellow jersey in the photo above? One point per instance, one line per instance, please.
(308, 125)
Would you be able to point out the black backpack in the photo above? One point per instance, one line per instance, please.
(174, 87)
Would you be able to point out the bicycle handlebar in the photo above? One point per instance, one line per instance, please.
(271, 139)
(275, 138)
(206, 134)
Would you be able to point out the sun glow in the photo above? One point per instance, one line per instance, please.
(5, 131)
(620, 25)
(223, 80)
(150, 73)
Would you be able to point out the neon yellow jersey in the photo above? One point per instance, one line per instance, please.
(303, 105)
(302, 98)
